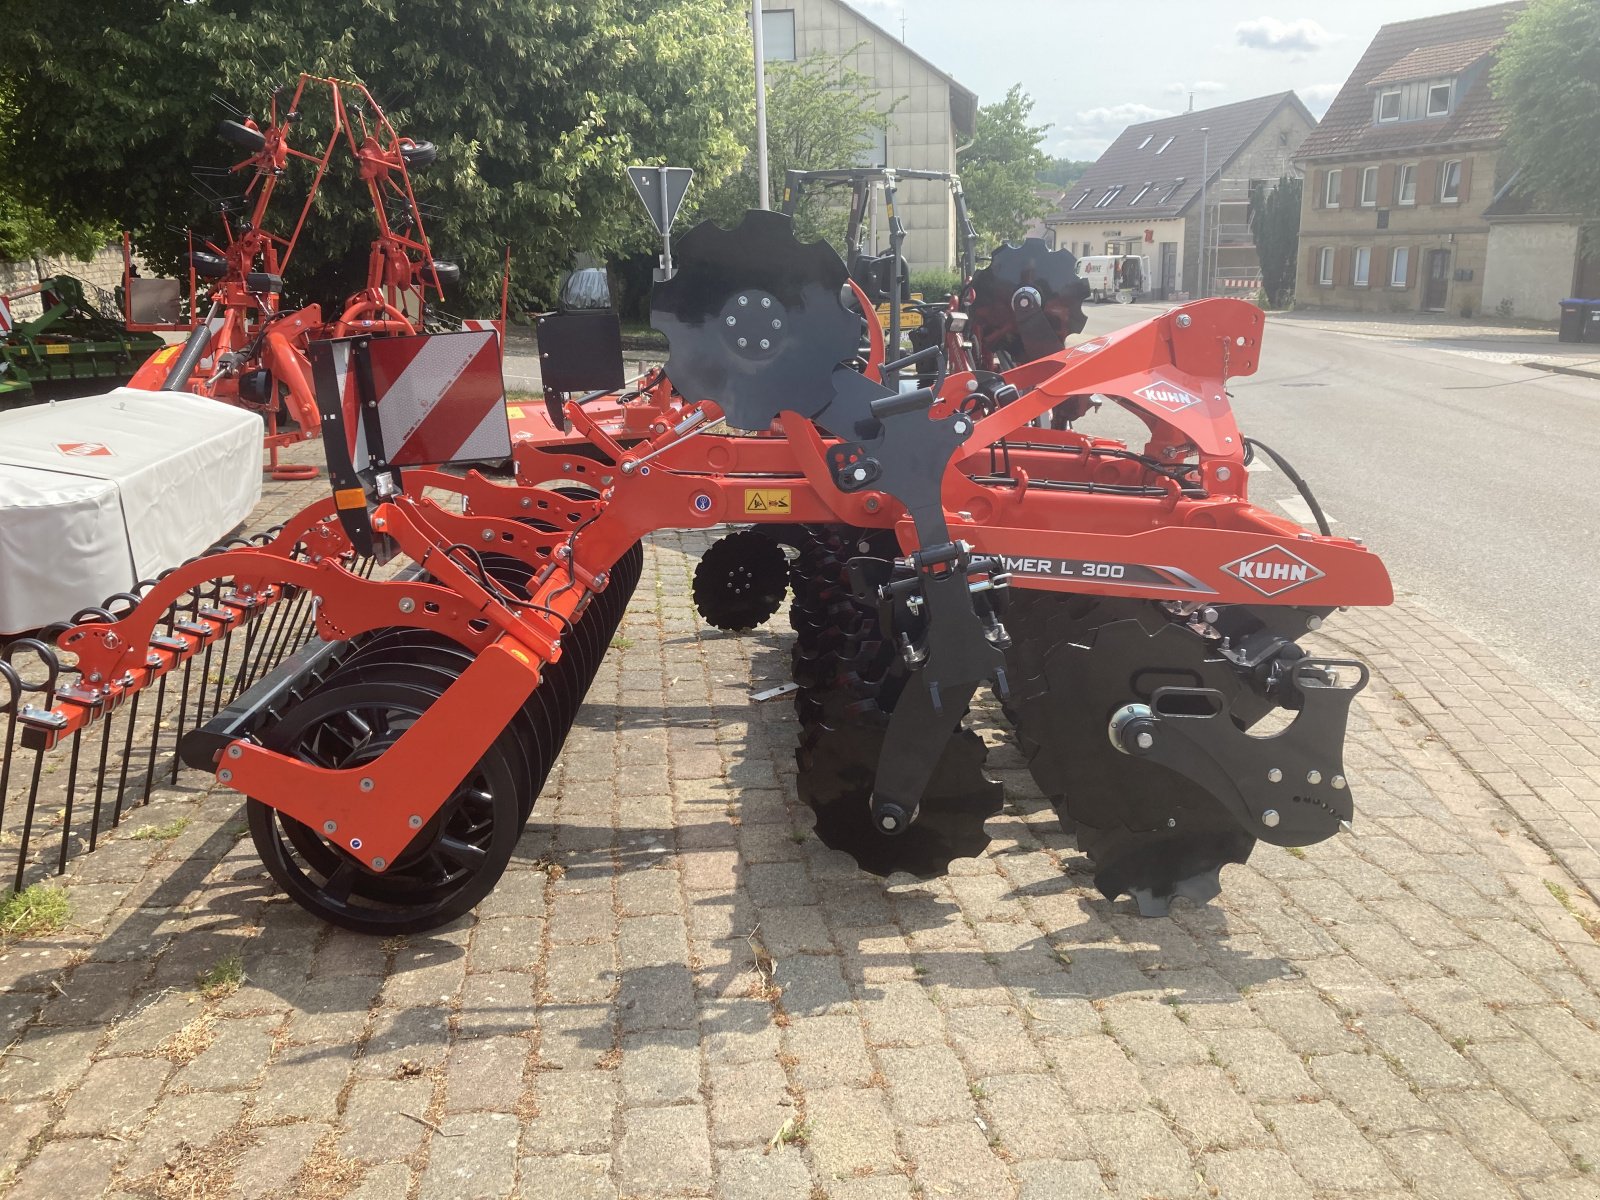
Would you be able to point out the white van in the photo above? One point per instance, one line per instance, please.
(1123, 278)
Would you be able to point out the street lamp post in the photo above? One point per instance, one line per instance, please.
(1205, 177)
(763, 187)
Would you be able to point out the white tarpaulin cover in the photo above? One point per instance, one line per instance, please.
(100, 492)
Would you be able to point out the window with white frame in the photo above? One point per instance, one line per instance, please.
(1165, 144)
(1081, 200)
(1330, 193)
(1146, 142)
(1389, 106)
(1141, 194)
(1450, 182)
(1369, 187)
(1110, 196)
(1361, 266)
(1405, 184)
(1399, 266)
(777, 35)
(1438, 99)
(1173, 191)
(1325, 266)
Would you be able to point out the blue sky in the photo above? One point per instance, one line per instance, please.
(1095, 66)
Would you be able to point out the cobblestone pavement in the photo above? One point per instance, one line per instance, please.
(1408, 1011)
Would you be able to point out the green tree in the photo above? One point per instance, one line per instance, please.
(1064, 172)
(1275, 227)
(536, 106)
(1000, 170)
(1548, 77)
(821, 115)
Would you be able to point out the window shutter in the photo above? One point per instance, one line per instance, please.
(1350, 187)
(1320, 191)
(1386, 194)
(1414, 253)
(1427, 182)
(1466, 178)
(1341, 265)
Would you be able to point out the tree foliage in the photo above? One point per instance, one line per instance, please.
(1275, 227)
(821, 115)
(537, 106)
(1064, 172)
(1000, 170)
(1548, 77)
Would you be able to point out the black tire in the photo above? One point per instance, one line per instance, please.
(242, 136)
(419, 155)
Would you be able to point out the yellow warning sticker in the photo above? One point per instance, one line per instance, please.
(767, 500)
(514, 411)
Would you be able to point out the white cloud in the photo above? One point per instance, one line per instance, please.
(1094, 129)
(1289, 37)
(1118, 115)
(1318, 96)
(1202, 86)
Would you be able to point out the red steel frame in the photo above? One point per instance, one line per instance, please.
(1184, 358)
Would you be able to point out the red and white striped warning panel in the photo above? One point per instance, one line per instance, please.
(440, 398)
(5, 315)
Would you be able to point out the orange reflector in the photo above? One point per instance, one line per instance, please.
(517, 652)
(350, 498)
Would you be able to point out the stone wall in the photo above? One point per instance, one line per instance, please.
(103, 271)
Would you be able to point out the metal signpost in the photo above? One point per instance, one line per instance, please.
(662, 189)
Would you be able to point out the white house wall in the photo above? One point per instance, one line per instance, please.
(1530, 266)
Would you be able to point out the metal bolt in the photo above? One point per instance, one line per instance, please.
(766, 302)
(744, 300)
(1270, 818)
(225, 776)
(1274, 776)
(777, 324)
(488, 535)
(235, 752)
(415, 821)
(765, 344)
(367, 785)
(960, 426)
(330, 827)
(1224, 474)
(743, 342)
(1172, 822)
(1313, 622)
(1313, 777)
(1338, 783)
(527, 502)
(1184, 320)
(732, 321)
(407, 604)
(379, 864)
(859, 474)
(1145, 740)
(888, 824)
(872, 504)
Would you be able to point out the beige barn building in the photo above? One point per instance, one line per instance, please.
(933, 118)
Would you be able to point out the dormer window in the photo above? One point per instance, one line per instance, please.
(1438, 99)
(1389, 106)
(1165, 144)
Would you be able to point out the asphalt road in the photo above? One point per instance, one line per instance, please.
(1473, 478)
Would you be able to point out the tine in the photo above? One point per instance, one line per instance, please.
(183, 713)
(99, 790)
(222, 670)
(155, 740)
(240, 677)
(11, 708)
(72, 787)
(27, 817)
(127, 755)
(205, 682)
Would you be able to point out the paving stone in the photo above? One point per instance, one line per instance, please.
(383, 1182)
(236, 1057)
(1304, 1020)
(303, 1083)
(993, 1041)
(399, 1037)
(23, 1123)
(1502, 1135)
(1419, 1053)
(1437, 1166)
(657, 997)
(111, 1098)
(1096, 1074)
(664, 1151)
(872, 1187)
(1252, 1174)
(1147, 1159)
(269, 1167)
(955, 1160)
(1032, 1117)
(150, 1022)
(334, 1009)
(926, 1085)
(738, 1031)
(485, 1073)
(74, 1167)
(567, 1176)
(477, 1161)
(1261, 1064)
(1568, 1040)
(828, 1051)
(1379, 1100)
(373, 1128)
(181, 1119)
(813, 985)
(581, 974)
(1051, 1180)
(758, 1175)
(749, 1102)
(1535, 1080)
(45, 1062)
(1327, 1150)
(850, 1132)
(660, 1067)
(900, 1014)
(576, 1110)
(1204, 1108)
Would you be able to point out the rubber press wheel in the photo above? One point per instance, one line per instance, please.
(451, 864)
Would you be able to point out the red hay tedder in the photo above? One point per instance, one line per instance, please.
(1133, 612)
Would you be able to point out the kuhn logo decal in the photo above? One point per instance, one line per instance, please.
(84, 449)
(1092, 345)
(1273, 570)
(1168, 395)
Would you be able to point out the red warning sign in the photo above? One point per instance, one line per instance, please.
(85, 449)
(440, 398)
